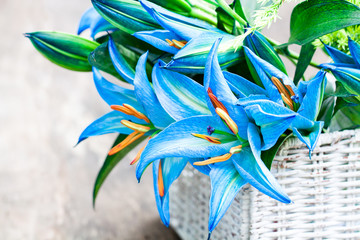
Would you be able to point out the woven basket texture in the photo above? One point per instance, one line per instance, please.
(325, 190)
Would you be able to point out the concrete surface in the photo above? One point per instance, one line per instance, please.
(45, 183)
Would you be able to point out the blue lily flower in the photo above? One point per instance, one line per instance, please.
(225, 139)
(346, 68)
(147, 110)
(284, 105)
(189, 39)
(92, 20)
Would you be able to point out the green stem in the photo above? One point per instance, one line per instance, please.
(291, 54)
(208, 17)
(232, 13)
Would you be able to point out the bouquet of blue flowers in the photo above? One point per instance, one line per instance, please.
(201, 85)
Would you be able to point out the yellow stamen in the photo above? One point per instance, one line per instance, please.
(121, 109)
(179, 44)
(136, 113)
(126, 142)
(221, 158)
(135, 126)
(138, 155)
(215, 101)
(287, 101)
(161, 182)
(171, 44)
(236, 149)
(280, 87)
(291, 91)
(208, 138)
(229, 122)
(175, 43)
(130, 110)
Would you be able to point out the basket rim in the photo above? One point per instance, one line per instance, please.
(325, 138)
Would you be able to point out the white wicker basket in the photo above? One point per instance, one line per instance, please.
(325, 191)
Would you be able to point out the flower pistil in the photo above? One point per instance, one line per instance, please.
(130, 110)
(221, 158)
(175, 43)
(287, 93)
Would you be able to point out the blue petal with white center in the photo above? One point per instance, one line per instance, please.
(272, 118)
(114, 94)
(241, 86)
(120, 64)
(312, 100)
(256, 173)
(226, 182)
(146, 96)
(265, 71)
(179, 95)
(214, 79)
(109, 123)
(157, 38)
(177, 141)
(193, 56)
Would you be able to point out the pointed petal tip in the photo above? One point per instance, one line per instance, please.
(209, 235)
(28, 35)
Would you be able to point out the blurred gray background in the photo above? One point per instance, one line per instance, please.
(46, 183)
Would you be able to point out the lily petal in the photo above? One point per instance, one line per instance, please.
(272, 118)
(203, 169)
(311, 103)
(120, 64)
(309, 136)
(180, 96)
(171, 169)
(241, 86)
(226, 182)
(185, 27)
(354, 48)
(146, 96)
(258, 175)
(109, 123)
(112, 93)
(338, 56)
(265, 71)
(349, 77)
(254, 139)
(192, 57)
(157, 38)
(214, 79)
(92, 20)
(177, 141)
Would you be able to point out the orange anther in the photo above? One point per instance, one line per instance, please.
(161, 182)
(126, 142)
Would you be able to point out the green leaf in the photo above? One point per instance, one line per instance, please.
(100, 59)
(262, 48)
(341, 91)
(66, 50)
(315, 18)
(327, 111)
(346, 118)
(127, 15)
(306, 54)
(111, 162)
(179, 6)
(268, 155)
(343, 102)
